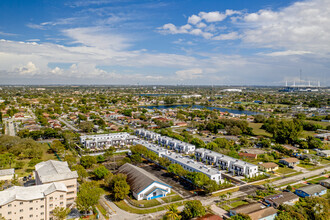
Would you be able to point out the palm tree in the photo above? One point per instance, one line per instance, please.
(172, 216)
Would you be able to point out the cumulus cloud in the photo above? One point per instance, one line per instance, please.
(229, 36)
(28, 69)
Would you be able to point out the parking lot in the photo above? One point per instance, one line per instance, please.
(180, 186)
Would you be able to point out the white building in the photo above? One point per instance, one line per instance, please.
(106, 140)
(143, 184)
(323, 153)
(152, 147)
(149, 135)
(7, 174)
(224, 162)
(34, 202)
(168, 142)
(193, 166)
(52, 171)
(176, 145)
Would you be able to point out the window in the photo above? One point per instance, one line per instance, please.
(70, 186)
(9, 213)
(61, 196)
(31, 216)
(70, 192)
(50, 198)
(21, 217)
(21, 203)
(50, 205)
(31, 208)
(21, 210)
(42, 213)
(61, 203)
(9, 205)
(31, 201)
(41, 206)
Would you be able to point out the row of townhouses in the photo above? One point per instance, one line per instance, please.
(168, 142)
(56, 186)
(184, 161)
(224, 162)
(106, 140)
(194, 166)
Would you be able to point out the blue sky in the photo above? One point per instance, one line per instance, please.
(188, 42)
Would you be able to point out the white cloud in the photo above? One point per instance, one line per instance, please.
(212, 16)
(286, 53)
(28, 69)
(302, 26)
(189, 73)
(229, 36)
(194, 19)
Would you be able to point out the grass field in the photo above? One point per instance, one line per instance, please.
(172, 198)
(145, 203)
(285, 170)
(238, 203)
(122, 205)
(226, 191)
(102, 210)
(317, 180)
(26, 170)
(258, 131)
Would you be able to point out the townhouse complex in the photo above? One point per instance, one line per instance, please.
(106, 140)
(194, 166)
(56, 186)
(224, 162)
(168, 142)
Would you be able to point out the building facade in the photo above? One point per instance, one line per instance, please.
(52, 171)
(34, 202)
(106, 140)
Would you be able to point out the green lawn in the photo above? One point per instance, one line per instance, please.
(225, 207)
(317, 180)
(102, 210)
(172, 198)
(238, 203)
(144, 203)
(122, 205)
(293, 174)
(258, 131)
(306, 165)
(285, 170)
(226, 191)
(26, 170)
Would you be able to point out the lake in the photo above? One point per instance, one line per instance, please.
(233, 111)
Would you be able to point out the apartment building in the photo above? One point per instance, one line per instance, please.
(149, 135)
(152, 147)
(176, 145)
(224, 162)
(168, 142)
(106, 140)
(34, 202)
(194, 166)
(52, 171)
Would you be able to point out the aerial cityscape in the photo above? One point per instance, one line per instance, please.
(173, 110)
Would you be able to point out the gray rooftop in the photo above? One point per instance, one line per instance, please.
(138, 178)
(312, 189)
(52, 170)
(193, 164)
(29, 193)
(7, 172)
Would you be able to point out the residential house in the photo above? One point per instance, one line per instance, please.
(7, 174)
(143, 184)
(256, 211)
(248, 155)
(287, 198)
(290, 162)
(268, 167)
(323, 153)
(325, 183)
(311, 190)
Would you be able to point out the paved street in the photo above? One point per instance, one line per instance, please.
(68, 124)
(10, 127)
